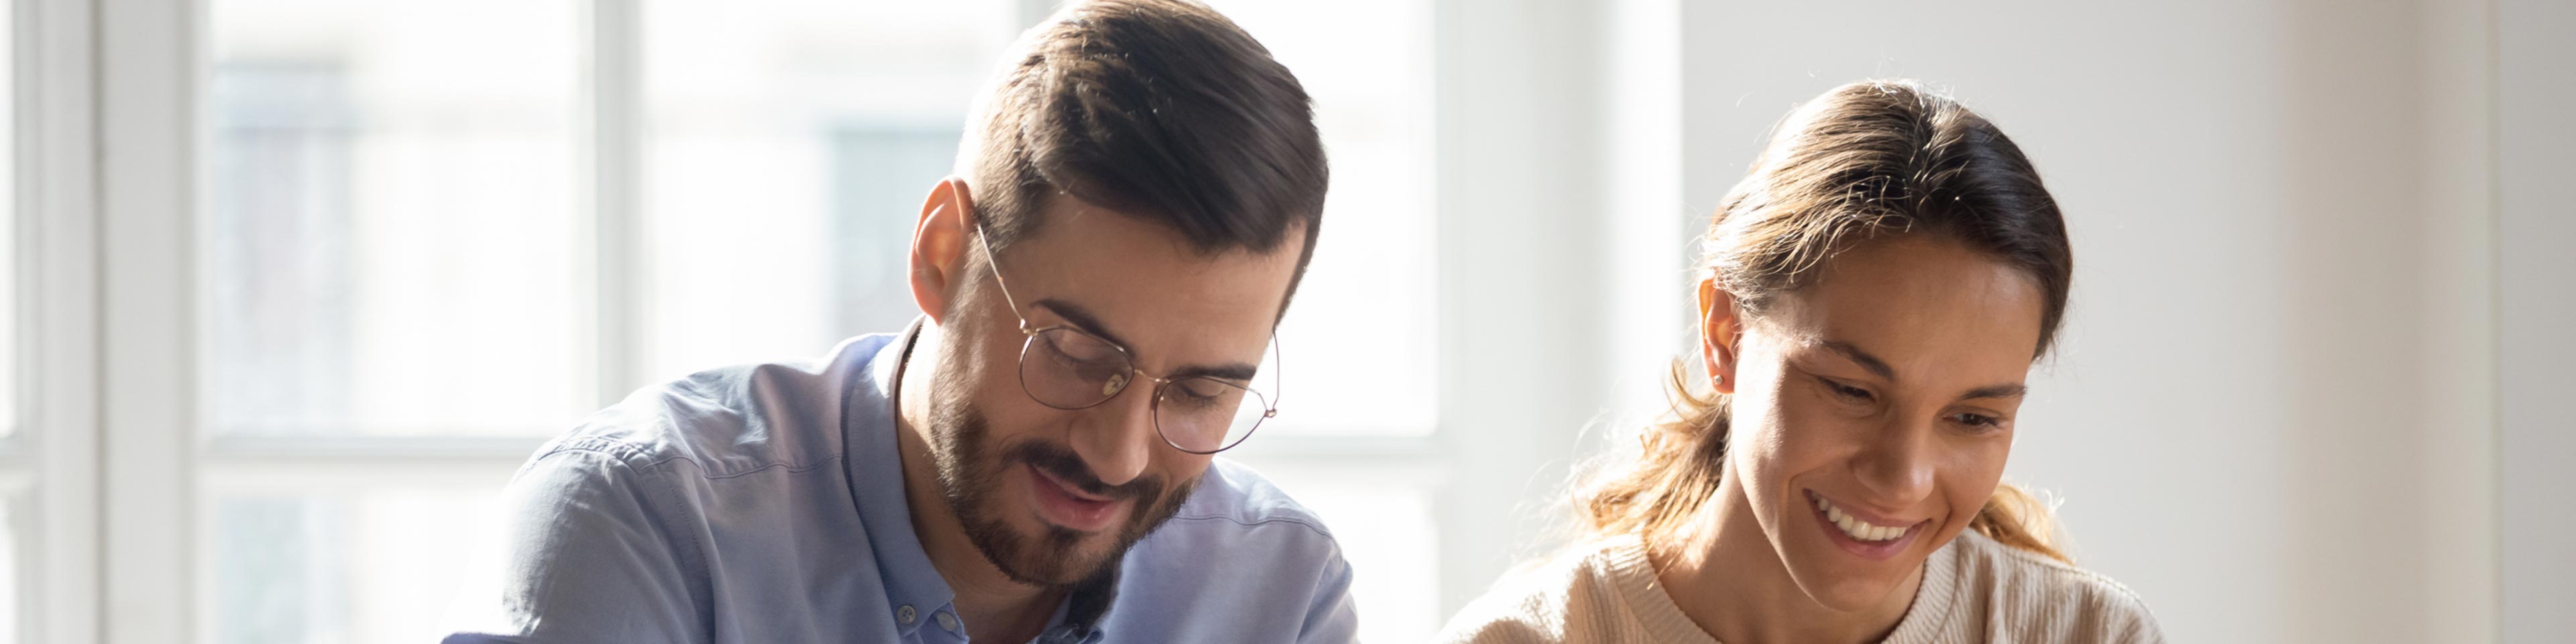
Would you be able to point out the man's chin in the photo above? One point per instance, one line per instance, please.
(1056, 556)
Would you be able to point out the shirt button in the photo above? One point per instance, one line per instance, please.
(905, 614)
(947, 621)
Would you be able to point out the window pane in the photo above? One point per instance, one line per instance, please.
(8, 232)
(14, 517)
(789, 146)
(1367, 304)
(1383, 520)
(388, 240)
(380, 564)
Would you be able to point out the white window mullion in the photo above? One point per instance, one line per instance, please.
(616, 167)
(149, 138)
(1032, 11)
(1523, 354)
(57, 199)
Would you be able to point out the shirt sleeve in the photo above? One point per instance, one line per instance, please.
(1330, 619)
(589, 559)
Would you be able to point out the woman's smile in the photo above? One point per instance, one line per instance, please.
(1875, 538)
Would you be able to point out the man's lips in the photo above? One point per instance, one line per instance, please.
(1063, 504)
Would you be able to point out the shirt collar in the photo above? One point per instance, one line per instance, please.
(875, 463)
(1085, 604)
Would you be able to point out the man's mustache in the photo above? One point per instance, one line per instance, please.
(1066, 466)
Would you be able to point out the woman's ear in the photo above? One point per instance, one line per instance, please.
(1721, 335)
(937, 264)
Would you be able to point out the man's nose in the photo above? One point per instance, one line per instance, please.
(1117, 438)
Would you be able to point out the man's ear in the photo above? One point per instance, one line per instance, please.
(939, 243)
(1721, 335)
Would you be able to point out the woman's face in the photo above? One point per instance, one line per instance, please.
(1873, 409)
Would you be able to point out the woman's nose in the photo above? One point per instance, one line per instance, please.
(1899, 466)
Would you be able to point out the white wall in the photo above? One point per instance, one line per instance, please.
(2534, 136)
(1561, 257)
(1521, 359)
(2272, 412)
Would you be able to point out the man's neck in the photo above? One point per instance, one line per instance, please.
(993, 606)
(1727, 578)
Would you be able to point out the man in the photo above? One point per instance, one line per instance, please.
(1031, 460)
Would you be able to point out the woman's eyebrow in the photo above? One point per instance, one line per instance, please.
(1996, 391)
(1877, 366)
(1862, 358)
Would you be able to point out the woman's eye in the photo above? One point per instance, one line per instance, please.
(1855, 394)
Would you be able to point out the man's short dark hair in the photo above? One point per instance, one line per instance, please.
(1159, 109)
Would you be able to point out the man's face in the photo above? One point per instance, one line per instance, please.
(1050, 495)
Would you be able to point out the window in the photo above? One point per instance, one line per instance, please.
(1367, 300)
(1358, 342)
(51, 505)
(787, 147)
(390, 216)
(9, 225)
(417, 259)
(390, 246)
(17, 482)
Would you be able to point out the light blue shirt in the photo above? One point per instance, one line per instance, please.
(765, 505)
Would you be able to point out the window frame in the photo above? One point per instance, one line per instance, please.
(137, 321)
(148, 136)
(55, 451)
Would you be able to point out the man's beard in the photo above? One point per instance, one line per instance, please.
(970, 479)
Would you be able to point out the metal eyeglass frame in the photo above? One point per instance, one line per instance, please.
(1270, 401)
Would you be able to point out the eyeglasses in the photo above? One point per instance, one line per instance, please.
(1065, 367)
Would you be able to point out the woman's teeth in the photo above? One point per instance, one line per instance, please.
(1858, 529)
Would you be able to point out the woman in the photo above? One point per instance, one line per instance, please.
(1874, 294)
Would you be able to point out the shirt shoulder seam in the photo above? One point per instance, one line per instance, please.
(637, 457)
(627, 454)
(2067, 572)
(1319, 530)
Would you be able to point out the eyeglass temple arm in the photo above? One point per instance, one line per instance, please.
(1276, 379)
(984, 240)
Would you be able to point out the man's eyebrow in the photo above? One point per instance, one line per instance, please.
(1862, 358)
(1082, 318)
(1230, 371)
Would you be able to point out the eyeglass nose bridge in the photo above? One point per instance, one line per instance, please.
(1120, 381)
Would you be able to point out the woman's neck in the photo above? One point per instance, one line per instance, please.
(1727, 577)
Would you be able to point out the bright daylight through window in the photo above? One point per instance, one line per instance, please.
(408, 246)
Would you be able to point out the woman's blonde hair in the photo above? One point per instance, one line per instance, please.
(1864, 160)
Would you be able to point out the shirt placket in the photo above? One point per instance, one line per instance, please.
(931, 626)
(1070, 634)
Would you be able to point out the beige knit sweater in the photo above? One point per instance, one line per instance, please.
(1974, 590)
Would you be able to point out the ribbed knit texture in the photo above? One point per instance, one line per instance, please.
(1974, 590)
